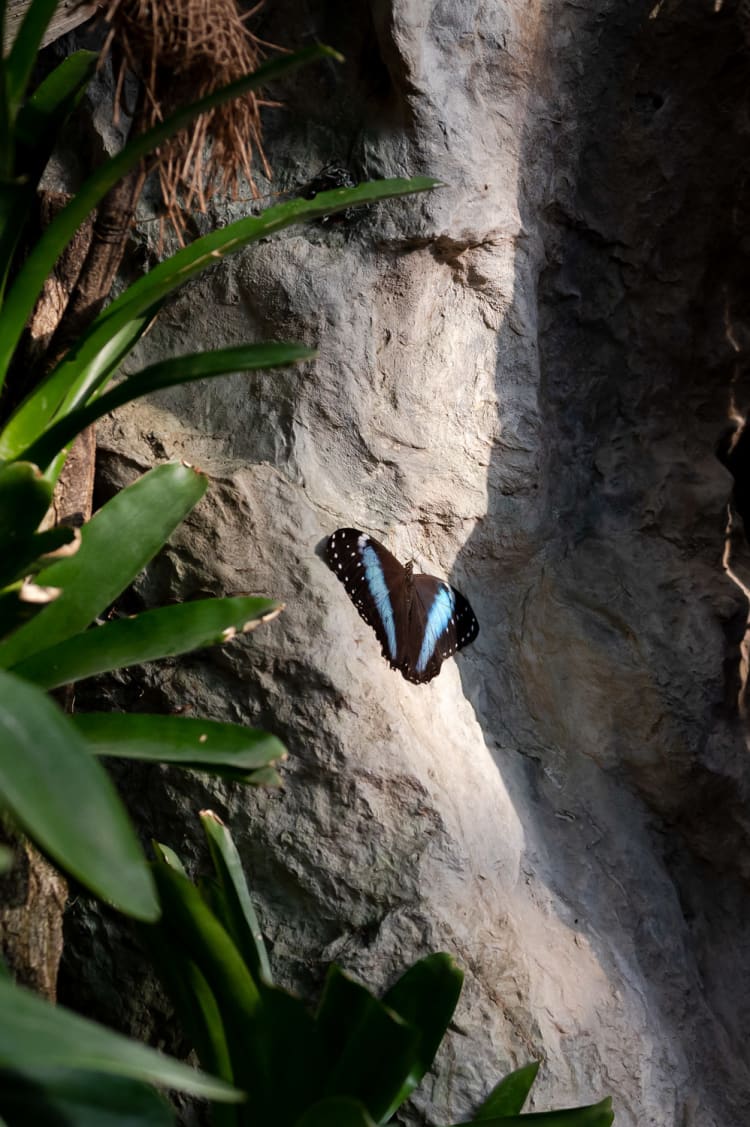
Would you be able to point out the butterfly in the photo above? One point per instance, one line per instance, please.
(418, 619)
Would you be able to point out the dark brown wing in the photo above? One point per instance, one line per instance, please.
(418, 619)
(375, 582)
(441, 622)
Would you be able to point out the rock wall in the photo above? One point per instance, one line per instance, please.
(521, 383)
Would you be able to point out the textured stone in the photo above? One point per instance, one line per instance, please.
(522, 378)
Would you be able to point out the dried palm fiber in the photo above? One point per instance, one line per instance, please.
(181, 50)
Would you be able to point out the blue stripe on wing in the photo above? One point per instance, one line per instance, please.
(439, 616)
(379, 592)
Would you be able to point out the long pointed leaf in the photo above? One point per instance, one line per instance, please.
(593, 1115)
(509, 1096)
(197, 1011)
(189, 925)
(241, 920)
(116, 544)
(24, 499)
(34, 413)
(37, 129)
(52, 102)
(207, 745)
(167, 373)
(34, 1034)
(150, 636)
(272, 1041)
(207, 943)
(65, 1097)
(170, 275)
(426, 996)
(23, 53)
(26, 557)
(38, 265)
(339, 1111)
(66, 802)
(372, 1048)
(21, 602)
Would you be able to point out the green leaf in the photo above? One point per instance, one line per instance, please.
(35, 1035)
(6, 859)
(426, 996)
(66, 802)
(168, 857)
(285, 1067)
(274, 1051)
(263, 777)
(373, 1049)
(52, 102)
(593, 1115)
(168, 373)
(239, 919)
(509, 1096)
(201, 744)
(21, 602)
(15, 204)
(24, 499)
(37, 267)
(116, 544)
(205, 942)
(196, 1008)
(37, 129)
(185, 264)
(155, 634)
(22, 58)
(336, 1112)
(63, 1097)
(26, 557)
(31, 417)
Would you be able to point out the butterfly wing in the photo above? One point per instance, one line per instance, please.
(418, 619)
(441, 622)
(374, 581)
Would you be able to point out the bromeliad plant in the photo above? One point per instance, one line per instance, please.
(352, 1062)
(46, 632)
(54, 584)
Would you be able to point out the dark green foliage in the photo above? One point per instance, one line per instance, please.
(350, 1064)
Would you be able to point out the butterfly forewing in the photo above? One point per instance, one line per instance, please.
(419, 620)
(373, 579)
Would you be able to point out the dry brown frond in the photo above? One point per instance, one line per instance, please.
(182, 50)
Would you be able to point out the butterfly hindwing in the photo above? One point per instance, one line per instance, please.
(429, 618)
(443, 623)
(418, 619)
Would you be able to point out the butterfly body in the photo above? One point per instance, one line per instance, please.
(418, 619)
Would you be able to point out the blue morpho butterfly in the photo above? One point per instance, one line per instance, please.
(418, 619)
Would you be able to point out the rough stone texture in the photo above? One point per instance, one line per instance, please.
(522, 378)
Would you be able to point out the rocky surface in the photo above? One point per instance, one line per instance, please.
(521, 383)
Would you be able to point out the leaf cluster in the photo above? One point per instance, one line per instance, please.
(54, 584)
(350, 1063)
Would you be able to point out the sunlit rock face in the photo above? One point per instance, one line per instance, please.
(521, 381)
